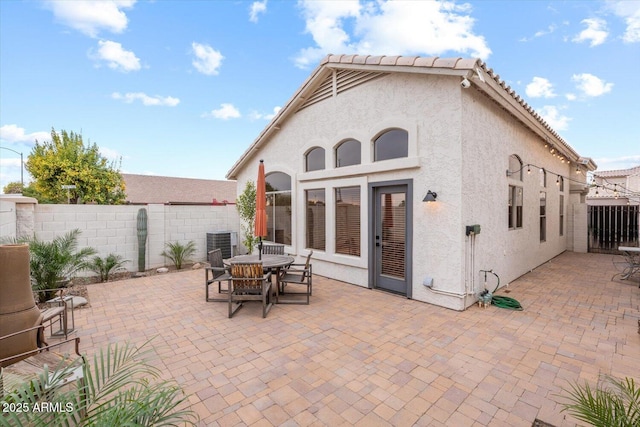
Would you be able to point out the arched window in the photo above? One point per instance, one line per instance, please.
(348, 153)
(515, 167)
(278, 207)
(392, 144)
(314, 159)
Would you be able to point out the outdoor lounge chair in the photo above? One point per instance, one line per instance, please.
(23, 351)
(294, 276)
(216, 272)
(249, 283)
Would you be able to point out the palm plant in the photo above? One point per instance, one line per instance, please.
(614, 403)
(104, 267)
(56, 262)
(118, 389)
(179, 253)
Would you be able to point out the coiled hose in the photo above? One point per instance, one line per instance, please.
(500, 300)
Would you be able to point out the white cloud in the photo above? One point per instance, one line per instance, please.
(540, 88)
(115, 56)
(389, 28)
(551, 114)
(90, 16)
(110, 153)
(591, 85)
(225, 112)
(207, 59)
(257, 7)
(596, 32)
(255, 115)
(630, 12)
(615, 163)
(571, 97)
(166, 101)
(13, 134)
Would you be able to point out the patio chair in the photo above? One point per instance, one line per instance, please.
(296, 275)
(18, 367)
(249, 283)
(216, 272)
(22, 324)
(273, 249)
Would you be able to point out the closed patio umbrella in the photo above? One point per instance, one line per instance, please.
(261, 208)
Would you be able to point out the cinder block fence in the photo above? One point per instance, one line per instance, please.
(113, 229)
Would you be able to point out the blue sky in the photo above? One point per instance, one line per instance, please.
(182, 88)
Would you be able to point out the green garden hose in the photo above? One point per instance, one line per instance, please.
(506, 302)
(500, 300)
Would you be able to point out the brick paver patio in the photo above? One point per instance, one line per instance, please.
(368, 358)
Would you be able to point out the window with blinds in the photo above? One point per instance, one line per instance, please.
(515, 207)
(315, 219)
(347, 210)
(393, 212)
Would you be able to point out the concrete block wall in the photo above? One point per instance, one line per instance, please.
(113, 229)
(7, 219)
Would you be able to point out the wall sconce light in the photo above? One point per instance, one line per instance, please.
(430, 197)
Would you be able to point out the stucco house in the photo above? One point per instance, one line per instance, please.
(615, 187)
(413, 174)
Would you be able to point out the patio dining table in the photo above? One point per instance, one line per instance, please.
(632, 260)
(269, 262)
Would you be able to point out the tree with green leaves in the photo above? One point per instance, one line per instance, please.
(66, 170)
(14, 187)
(246, 205)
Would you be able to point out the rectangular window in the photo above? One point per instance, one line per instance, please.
(315, 216)
(515, 207)
(561, 215)
(347, 210)
(543, 216)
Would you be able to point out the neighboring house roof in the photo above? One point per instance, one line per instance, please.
(338, 73)
(616, 184)
(619, 172)
(165, 189)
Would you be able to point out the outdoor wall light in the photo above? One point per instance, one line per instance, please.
(430, 197)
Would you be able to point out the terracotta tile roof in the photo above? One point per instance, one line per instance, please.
(165, 189)
(475, 70)
(619, 172)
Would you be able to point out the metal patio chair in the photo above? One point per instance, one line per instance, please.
(272, 249)
(296, 276)
(249, 283)
(216, 272)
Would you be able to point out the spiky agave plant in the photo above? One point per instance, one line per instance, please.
(120, 388)
(613, 403)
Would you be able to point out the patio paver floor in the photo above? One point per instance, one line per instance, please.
(368, 358)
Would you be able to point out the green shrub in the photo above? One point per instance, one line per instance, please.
(53, 264)
(179, 253)
(120, 388)
(104, 267)
(613, 403)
